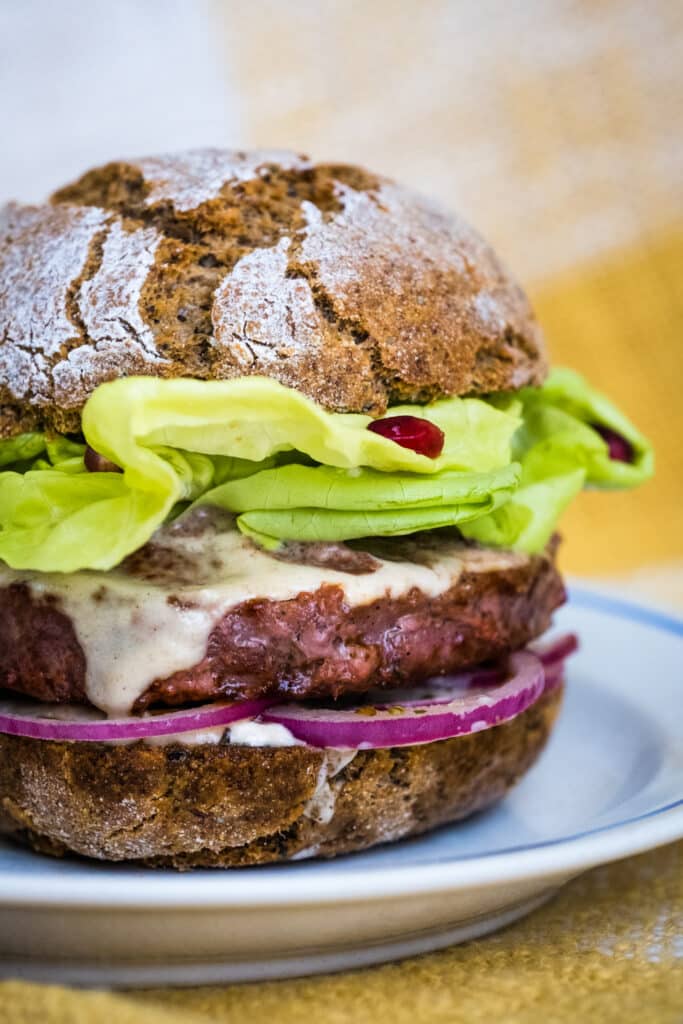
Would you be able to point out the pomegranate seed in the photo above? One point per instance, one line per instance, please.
(423, 436)
(620, 450)
(96, 463)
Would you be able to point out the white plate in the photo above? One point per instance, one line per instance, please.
(609, 785)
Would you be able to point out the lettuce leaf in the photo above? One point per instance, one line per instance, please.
(560, 452)
(290, 470)
(21, 449)
(255, 418)
(322, 503)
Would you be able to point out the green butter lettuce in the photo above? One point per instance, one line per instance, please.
(254, 418)
(560, 453)
(23, 448)
(277, 503)
(290, 470)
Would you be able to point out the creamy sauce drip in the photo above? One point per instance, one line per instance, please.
(248, 733)
(153, 615)
(320, 808)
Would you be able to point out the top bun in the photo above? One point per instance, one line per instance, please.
(215, 263)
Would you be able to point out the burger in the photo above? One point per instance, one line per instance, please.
(281, 468)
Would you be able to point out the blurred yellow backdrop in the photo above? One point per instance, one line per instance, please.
(555, 127)
(618, 320)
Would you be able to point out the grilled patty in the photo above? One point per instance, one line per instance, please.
(312, 646)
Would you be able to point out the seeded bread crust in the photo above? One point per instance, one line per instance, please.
(231, 806)
(215, 264)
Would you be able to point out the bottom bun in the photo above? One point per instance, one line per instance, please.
(230, 806)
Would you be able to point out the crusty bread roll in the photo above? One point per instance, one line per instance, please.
(230, 806)
(215, 264)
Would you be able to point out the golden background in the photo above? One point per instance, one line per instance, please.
(556, 128)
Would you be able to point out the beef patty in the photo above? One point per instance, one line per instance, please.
(312, 645)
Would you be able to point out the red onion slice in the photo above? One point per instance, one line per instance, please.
(37, 727)
(439, 709)
(469, 709)
(556, 651)
(553, 676)
(552, 655)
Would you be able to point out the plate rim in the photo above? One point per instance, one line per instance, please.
(553, 858)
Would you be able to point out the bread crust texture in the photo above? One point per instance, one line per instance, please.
(215, 264)
(233, 806)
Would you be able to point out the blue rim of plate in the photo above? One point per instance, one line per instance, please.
(600, 601)
(531, 860)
